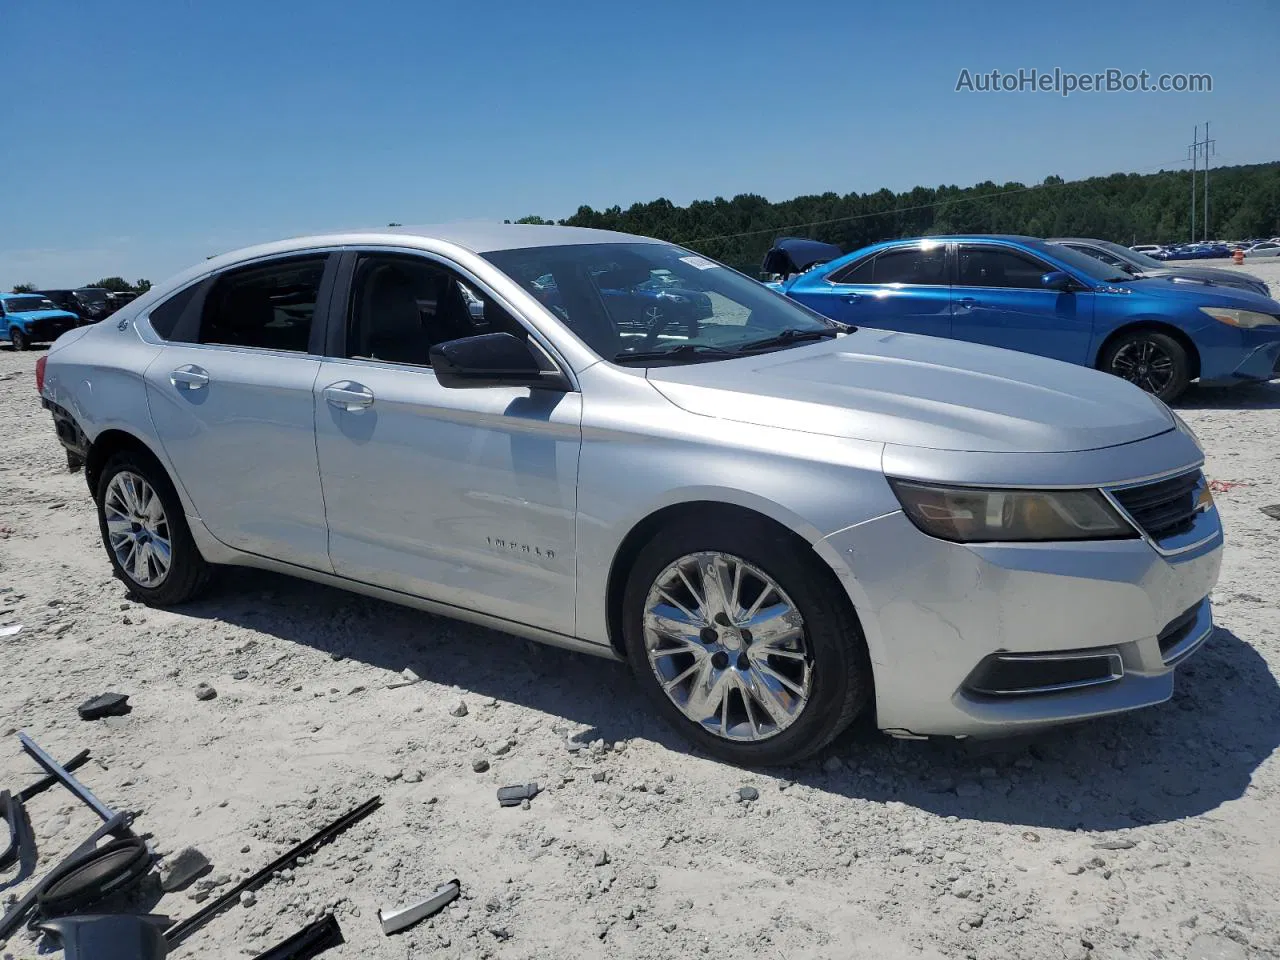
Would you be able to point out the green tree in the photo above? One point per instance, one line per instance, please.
(24, 288)
(548, 223)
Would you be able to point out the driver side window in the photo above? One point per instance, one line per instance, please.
(402, 306)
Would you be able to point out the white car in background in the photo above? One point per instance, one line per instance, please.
(1267, 248)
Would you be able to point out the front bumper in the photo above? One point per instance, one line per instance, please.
(934, 611)
(1256, 358)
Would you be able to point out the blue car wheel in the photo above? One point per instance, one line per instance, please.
(1153, 361)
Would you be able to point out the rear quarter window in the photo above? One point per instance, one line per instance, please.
(164, 318)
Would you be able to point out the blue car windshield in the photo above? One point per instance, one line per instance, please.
(24, 304)
(636, 302)
(1082, 263)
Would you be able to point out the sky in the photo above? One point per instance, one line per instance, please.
(140, 136)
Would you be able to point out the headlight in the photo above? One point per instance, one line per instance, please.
(1247, 319)
(973, 515)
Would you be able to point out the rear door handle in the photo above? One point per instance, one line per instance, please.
(852, 297)
(349, 396)
(189, 376)
(967, 303)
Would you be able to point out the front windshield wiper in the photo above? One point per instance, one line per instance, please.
(788, 337)
(684, 351)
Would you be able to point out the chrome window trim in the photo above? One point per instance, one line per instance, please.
(563, 367)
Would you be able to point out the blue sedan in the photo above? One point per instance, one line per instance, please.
(1030, 295)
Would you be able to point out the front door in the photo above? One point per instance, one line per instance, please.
(903, 288)
(998, 299)
(231, 400)
(463, 496)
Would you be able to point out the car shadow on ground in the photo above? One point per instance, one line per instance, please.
(1176, 760)
(1253, 396)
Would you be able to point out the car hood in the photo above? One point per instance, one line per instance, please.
(43, 314)
(1208, 275)
(899, 388)
(1198, 293)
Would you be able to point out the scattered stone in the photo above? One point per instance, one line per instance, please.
(1074, 869)
(499, 748)
(479, 764)
(458, 708)
(1272, 511)
(248, 898)
(336, 656)
(602, 857)
(669, 927)
(500, 933)
(525, 804)
(354, 690)
(179, 869)
(205, 692)
(407, 678)
(748, 793)
(412, 776)
(240, 675)
(1118, 844)
(1210, 947)
(1030, 836)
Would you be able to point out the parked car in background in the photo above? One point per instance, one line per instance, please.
(90, 304)
(29, 318)
(1039, 297)
(778, 522)
(118, 298)
(1137, 264)
(1194, 251)
(1267, 248)
(1147, 248)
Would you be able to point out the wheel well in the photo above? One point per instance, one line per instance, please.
(697, 512)
(1193, 355)
(107, 445)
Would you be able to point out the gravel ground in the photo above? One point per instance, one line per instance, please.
(1155, 835)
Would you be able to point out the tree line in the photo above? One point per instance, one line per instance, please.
(110, 284)
(1128, 208)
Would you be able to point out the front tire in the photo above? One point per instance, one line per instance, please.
(19, 339)
(1153, 361)
(745, 641)
(145, 532)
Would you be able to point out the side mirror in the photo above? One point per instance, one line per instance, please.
(492, 360)
(1058, 280)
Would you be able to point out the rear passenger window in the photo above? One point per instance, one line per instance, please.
(269, 306)
(916, 265)
(164, 318)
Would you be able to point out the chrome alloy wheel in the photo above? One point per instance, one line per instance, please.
(728, 646)
(137, 529)
(1142, 362)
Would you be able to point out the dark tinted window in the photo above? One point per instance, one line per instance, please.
(1097, 253)
(998, 267)
(401, 306)
(270, 306)
(911, 265)
(164, 318)
(859, 272)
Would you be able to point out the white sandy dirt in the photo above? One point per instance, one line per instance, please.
(1152, 835)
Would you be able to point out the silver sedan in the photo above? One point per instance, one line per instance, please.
(619, 446)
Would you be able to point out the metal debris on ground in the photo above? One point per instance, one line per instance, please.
(104, 705)
(397, 919)
(512, 796)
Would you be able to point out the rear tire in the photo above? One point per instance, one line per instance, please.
(19, 339)
(807, 638)
(1156, 362)
(145, 532)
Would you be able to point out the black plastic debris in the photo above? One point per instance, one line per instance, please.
(513, 796)
(104, 705)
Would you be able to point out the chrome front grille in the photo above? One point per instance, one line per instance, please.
(1165, 508)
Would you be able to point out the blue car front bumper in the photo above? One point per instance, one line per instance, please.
(1253, 356)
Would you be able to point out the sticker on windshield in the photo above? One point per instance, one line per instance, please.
(699, 263)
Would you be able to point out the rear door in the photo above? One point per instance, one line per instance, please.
(231, 397)
(998, 299)
(904, 287)
(463, 496)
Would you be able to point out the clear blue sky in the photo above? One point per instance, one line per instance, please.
(139, 136)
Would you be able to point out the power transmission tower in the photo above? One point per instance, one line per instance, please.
(1193, 154)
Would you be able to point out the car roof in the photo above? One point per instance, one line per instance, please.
(1084, 240)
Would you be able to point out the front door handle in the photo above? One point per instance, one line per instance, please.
(189, 376)
(852, 297)
(967, 303)
(349, 396)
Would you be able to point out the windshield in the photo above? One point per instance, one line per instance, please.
(1091, 267)
(636, 302)
(24, 304)
(93, 296)
(1140, 260)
